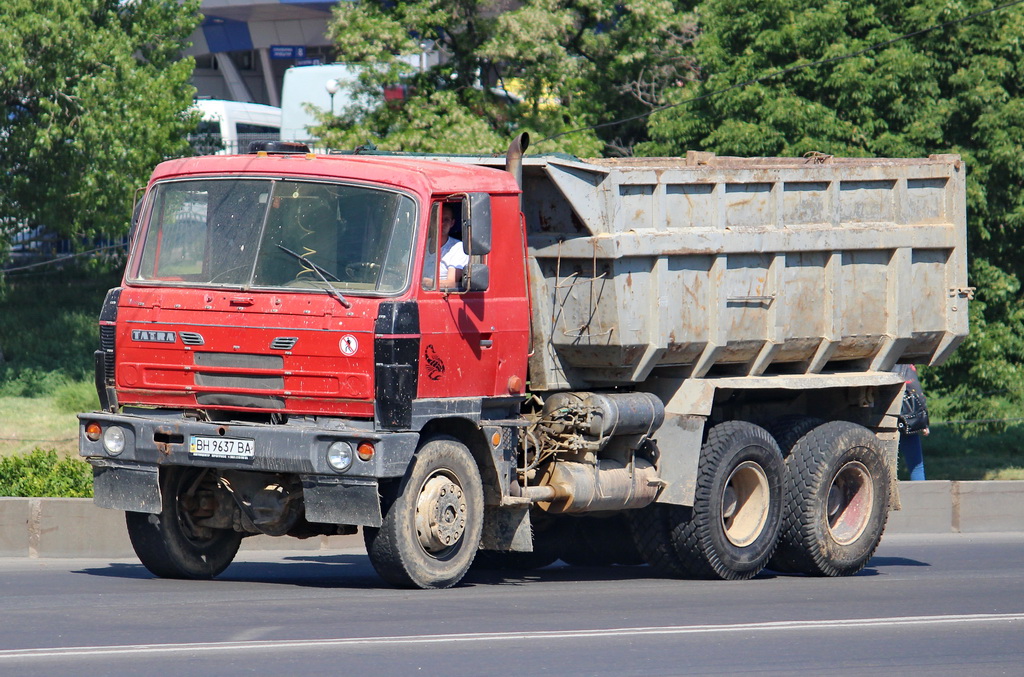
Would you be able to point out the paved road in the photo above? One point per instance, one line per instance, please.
(946, 605)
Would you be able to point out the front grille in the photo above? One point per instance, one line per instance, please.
(239, 400)
(238, 361)
(246, 381)
(240, 377)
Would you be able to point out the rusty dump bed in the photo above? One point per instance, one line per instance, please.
(705, 265)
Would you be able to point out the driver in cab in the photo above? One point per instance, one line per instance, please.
(453, 255)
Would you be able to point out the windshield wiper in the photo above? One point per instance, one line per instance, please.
(322, 273)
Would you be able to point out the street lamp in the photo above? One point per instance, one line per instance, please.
(333, 87)
(426, 45)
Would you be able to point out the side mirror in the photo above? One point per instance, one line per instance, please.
(476, 211)
(476, 277)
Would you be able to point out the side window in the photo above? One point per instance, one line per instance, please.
(446, 257)
(175, 248)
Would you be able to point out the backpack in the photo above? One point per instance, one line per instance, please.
(913, 418)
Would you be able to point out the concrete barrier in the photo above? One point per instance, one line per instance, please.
(75, 527)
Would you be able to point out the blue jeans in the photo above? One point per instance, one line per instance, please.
(913, 455)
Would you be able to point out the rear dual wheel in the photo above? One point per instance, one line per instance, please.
(837, 501)
(732, 528)
(599, 541)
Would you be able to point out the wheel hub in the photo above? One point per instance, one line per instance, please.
(745, 504)
(850, 498)
(440, 514)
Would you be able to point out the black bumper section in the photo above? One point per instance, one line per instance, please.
(130, 480)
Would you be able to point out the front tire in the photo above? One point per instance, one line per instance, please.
(432, 528)
(837, 501)
(174, 543)
(737, 511)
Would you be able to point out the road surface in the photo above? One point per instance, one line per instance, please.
(926, 605)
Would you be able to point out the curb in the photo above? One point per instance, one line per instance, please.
(75, 527)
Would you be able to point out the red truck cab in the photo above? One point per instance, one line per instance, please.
(282, 338)
(224, 307)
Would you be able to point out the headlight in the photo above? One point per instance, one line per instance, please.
(339, 456)
(114, 440)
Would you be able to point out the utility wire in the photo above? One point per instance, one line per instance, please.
(785, 71)
(978, 420)
(31, 439)
(72, 256)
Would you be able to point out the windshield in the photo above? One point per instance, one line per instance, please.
(277, 233)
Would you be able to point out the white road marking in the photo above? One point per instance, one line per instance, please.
(534, 635)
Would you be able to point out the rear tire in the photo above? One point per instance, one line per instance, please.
(599, 541)
(837, 501)
(787, 430)
(737, 509)
(651, 528)
(548, 538)
(172, 544)
(432, 529)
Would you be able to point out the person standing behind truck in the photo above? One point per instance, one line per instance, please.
(913, 421)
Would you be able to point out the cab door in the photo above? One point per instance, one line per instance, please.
(457, 351)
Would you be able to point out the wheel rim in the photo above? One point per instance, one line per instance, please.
(848, 508)
(440, 514)
(746, 502)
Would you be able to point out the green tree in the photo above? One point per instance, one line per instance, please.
(571, 65)
(92, 95)
(956, 89)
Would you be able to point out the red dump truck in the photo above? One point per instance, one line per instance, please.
(679, 361)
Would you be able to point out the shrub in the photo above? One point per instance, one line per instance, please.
(76, 396)
(44, 473)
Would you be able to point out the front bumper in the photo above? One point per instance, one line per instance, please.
(129, 480)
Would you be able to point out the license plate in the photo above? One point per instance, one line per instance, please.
(221, 447)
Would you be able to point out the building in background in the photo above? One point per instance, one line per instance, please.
(243, 47)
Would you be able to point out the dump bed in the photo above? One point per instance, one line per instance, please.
(710, 265)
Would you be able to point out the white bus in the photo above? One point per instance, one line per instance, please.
(227, 127)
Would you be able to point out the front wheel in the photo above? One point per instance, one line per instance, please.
(432, 528)
(174, 543)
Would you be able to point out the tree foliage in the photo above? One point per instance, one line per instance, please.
(92, 94)
(954, 89)
(570, 65)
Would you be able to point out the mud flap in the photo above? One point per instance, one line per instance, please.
(679, 442)
(334, 500)
(507, 528)
(132, 489)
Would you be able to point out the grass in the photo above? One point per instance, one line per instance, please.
(28, 423)
(949, 455)
(48, 330)
(48, 334)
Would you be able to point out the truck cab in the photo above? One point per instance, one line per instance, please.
(282, 324)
